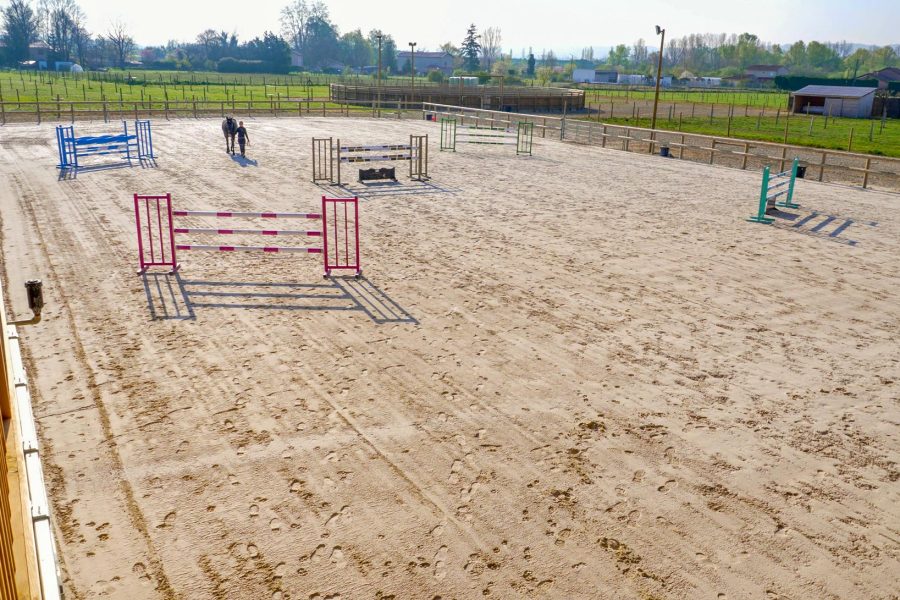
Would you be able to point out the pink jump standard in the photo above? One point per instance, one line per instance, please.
(156, 230)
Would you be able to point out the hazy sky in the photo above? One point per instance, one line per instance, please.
(564, 26)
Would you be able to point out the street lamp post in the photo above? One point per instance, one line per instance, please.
(662, 41)
(378, 83)
(412, 65)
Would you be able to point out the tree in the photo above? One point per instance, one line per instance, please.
(531, 62)
(543, 75)
(60, 25)
(321, 42)
(295, 18)
(122, 43)
(356, 50)
(618, 56)
(490, 46)
(20, 27)
(470, 49)
(587, 53)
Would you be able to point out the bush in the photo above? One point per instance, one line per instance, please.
(435, 76)
(234, 65)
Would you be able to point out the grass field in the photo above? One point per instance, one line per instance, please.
(752, 98)
(869, 136)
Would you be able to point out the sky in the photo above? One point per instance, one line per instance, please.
(564, 27)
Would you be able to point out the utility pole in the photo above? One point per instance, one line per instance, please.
(412, 65)
(662, 41)
(378, 84)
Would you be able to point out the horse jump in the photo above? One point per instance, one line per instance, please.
(129, 146)
(489, 136)
(767, 200)
(327, 152)
(156, 231)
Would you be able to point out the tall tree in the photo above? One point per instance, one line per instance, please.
(60, 25)
(122, 43)
(20, 28)
(490, 46)
(470, 49)
(530, 70)
(295, 18)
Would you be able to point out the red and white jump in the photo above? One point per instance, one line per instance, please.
(156, 231)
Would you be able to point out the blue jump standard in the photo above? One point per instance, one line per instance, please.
(138, 145)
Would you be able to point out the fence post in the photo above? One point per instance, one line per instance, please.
(822, 166)
(3, 112)
(746, 151)
(105, 112)
(712, 151)
(166, 109)
(38, 104)
(603, 144)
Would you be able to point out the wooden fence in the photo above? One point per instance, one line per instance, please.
(70, 112)
(832, 166)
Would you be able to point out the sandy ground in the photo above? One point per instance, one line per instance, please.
(576, 375)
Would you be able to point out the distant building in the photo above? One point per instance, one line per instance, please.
(834, 100)
(595, 76)
(664, 81)
(765, 72)
(583, 76)
(427, 61)
(630, 79)
(296, 58)
(884, 76)
(707, 82)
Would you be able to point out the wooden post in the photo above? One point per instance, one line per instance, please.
(850, 143)
(3, 112)
(166, 108)
(866, 175)
(105, 112)
(822, 166)
(681, 148)
(604, 137)
(783, 156)
(38, 105)
(712, 151)
(627, 138)
(746, 151)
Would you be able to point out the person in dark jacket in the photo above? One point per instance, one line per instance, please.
(243, 137)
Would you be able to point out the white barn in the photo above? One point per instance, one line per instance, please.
(834, 100)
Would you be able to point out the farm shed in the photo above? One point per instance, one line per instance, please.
(834, 100)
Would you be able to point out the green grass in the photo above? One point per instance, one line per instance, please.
(835, 135)
(158, 86)
(751, 98)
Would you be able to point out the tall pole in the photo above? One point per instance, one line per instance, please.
(378, 84)
(662, 41)
(412, 65)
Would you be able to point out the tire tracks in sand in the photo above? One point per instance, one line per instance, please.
(55, 224)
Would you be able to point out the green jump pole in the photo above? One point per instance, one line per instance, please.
(761, 217)
(788, 203)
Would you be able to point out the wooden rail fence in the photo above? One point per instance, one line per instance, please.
(832, 166)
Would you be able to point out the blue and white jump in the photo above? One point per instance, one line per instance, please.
(128, 146)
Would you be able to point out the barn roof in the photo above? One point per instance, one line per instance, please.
(835, 91)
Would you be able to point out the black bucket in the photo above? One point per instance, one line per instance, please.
(664, 151)
(801, 172)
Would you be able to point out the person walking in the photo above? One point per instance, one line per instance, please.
(243, 137)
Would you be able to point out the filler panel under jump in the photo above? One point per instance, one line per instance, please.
(156, 230)
(127, 146)
(328, 155)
